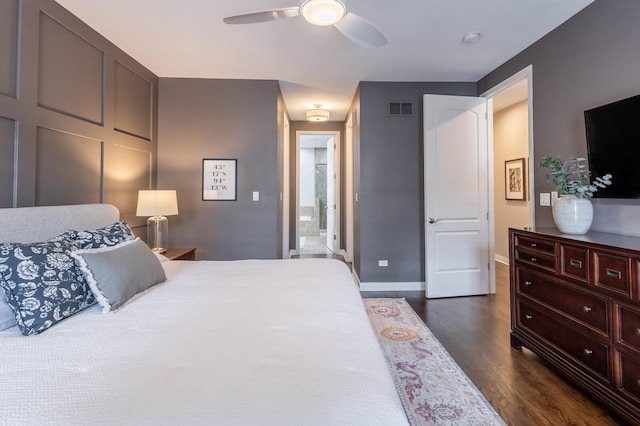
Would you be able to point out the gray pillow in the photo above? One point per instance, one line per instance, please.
(116, 274)
(7, 318)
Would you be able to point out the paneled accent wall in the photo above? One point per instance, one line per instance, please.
(78, 117)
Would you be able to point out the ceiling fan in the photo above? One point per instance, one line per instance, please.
(321, 12)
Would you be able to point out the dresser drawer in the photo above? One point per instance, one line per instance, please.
(574, 262)
(594, 355)
(535, 243)
(629, 327)
(536, 259)
(587, 308)
(630, 382)
(612, 274)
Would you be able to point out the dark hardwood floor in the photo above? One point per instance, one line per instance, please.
(522, 388)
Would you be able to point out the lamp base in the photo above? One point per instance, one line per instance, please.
(158, 233)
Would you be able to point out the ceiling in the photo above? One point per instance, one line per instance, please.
(319, 65)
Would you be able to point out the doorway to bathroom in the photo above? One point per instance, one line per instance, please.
(317, 195)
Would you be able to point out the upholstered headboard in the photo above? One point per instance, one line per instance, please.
(32, 224)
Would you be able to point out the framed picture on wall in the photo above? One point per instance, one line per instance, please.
(514, 179)
(219, 179)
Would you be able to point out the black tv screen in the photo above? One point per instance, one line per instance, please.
(613, 146)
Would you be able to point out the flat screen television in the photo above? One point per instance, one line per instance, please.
(613, 146)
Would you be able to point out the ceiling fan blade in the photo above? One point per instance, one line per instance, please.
(360, 31)
(264, 16)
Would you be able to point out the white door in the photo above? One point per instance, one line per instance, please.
(457, 242)
(331, 194)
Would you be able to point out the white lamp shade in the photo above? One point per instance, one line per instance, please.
(157, 203)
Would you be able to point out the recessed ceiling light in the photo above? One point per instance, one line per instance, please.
(471, 37)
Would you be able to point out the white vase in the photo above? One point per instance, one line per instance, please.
(572, 215)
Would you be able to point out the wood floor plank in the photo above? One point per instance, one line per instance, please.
(523, 388)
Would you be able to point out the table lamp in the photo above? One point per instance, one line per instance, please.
(157, 204)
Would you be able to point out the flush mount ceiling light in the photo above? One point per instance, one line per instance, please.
(322, 12)
(471, 37)
(317, 114)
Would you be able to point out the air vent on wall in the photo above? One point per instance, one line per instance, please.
(400, 109)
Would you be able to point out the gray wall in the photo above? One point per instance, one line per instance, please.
(78, 117)
(389, 170)
(592, 59)
(226, 119)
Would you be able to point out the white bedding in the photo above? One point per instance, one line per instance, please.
(275, 342)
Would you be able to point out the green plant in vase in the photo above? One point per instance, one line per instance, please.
(573, 212)
(572, 177)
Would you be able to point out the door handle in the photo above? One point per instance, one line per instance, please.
(432, 220)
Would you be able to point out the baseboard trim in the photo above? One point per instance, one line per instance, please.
(393, 286)
(502, 259)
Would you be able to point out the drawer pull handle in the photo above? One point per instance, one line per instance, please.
(637, 331)
(533, 259)
(575, 263)
(534, 245)
(613, 273)
(528, 316)
(587, 308)
(528, 283)
(588, 352)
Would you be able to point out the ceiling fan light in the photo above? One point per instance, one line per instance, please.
(317, 115)
(323, 12)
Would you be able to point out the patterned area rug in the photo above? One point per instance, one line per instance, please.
(432, 387)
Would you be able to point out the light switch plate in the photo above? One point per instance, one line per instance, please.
(256, 196)
(545, 199)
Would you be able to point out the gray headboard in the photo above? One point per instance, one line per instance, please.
(32, 224)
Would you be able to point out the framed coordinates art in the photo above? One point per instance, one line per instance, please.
(219, 179)
(514, 179)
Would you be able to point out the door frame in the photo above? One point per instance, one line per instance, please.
(348, 195)
(336, 138)
(285, 195)
(516, 78)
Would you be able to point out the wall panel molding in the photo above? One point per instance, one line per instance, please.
(9, 40)
(133, 103)
(7, 161)
(70, 72)
(127, 170)
(65, 161)
(58, 141)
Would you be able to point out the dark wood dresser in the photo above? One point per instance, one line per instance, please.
(575, 301)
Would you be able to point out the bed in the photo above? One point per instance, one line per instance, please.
(251, 342)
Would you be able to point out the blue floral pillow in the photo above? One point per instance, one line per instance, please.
(42, 283)
(107, 236)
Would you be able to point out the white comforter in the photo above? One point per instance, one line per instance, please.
(220, 343)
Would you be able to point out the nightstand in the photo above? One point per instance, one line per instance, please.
(188, 253)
